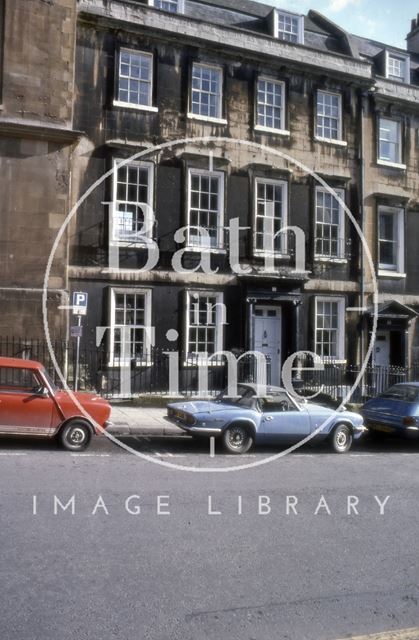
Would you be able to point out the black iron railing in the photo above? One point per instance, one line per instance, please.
(150, 372)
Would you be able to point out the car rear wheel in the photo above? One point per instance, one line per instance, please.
(342, 438)
(75, 436)
(237, 439)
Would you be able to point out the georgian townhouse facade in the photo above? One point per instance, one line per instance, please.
(204, 128)
(152, 77)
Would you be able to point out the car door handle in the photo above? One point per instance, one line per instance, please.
(269, 418)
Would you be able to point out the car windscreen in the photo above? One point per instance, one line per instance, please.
(50, 380)
(248, 399)
(241, 393)
(405, 393)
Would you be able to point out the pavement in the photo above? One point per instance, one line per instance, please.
(145, 421)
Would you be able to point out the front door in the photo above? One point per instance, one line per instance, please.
(382, 349)
(267, 337)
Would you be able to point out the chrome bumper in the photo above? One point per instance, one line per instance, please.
(204, 431)
(362, 428)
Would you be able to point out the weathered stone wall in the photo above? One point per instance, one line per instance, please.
(39, 60)
(35, 160)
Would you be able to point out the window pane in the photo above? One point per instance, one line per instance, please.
(205, 210)
(390, 140)
(270, 104)
(135, 77)
(204, 323)
(133, 192)
(328, 329)
(129, 325)
(270, 205)
(288, 27)
(390, 244)
(167, 5)
(328, 115)
(18, 379)
(329, 226)
(206, 91)
(396, 68)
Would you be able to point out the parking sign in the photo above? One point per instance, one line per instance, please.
(79, 303)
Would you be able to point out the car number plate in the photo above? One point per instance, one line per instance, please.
(383, 428)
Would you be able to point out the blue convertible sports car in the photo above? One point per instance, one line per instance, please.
(274, 417)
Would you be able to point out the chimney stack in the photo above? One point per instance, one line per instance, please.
(412, 38)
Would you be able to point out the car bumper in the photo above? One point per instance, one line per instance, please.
(193, 429)
(359, 431)
(104, 427)
(410, 431)
(361, 428)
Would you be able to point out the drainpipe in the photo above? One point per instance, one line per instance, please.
(363, 97)
(251, 304)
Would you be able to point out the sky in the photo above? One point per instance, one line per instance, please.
(387, 21)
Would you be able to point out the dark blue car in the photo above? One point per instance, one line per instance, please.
(396, 411)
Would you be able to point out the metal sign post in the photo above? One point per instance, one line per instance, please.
(79, 310)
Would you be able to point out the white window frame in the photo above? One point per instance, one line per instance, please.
(294, 16)
(147, 293)
(220, 216)
(199, 116)
(405, 60)
(263, 127)
(339, 139)
(132, 105)
(284, 217)
(149, 210)
(341, 226)
(397, 162)
(398, 214)
(191, 357)
(180, 6)
(340, 342)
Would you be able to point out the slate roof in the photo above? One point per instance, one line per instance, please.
(319, 32)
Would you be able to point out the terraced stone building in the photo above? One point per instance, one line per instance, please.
(226, 118)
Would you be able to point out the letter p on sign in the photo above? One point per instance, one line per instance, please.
(79, 303)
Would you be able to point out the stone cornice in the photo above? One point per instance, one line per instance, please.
(141, 17)
(38, 131)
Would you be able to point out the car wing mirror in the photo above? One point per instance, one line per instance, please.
(41, 390)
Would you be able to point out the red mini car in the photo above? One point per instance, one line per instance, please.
(32, 405)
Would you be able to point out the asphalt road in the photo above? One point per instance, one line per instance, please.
(248, 572)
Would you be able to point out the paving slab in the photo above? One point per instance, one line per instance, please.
(128, 420)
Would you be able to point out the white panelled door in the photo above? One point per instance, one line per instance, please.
(267, 337)
(382, 349)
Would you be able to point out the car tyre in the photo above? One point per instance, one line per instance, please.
(237, 439)
(342, 438)
(75, 436)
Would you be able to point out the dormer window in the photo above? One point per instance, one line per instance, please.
(397, 67)
(173, 6)
(289, 27)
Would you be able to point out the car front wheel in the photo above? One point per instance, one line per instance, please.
(342, 438)
(237, 439)
(75, 436)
